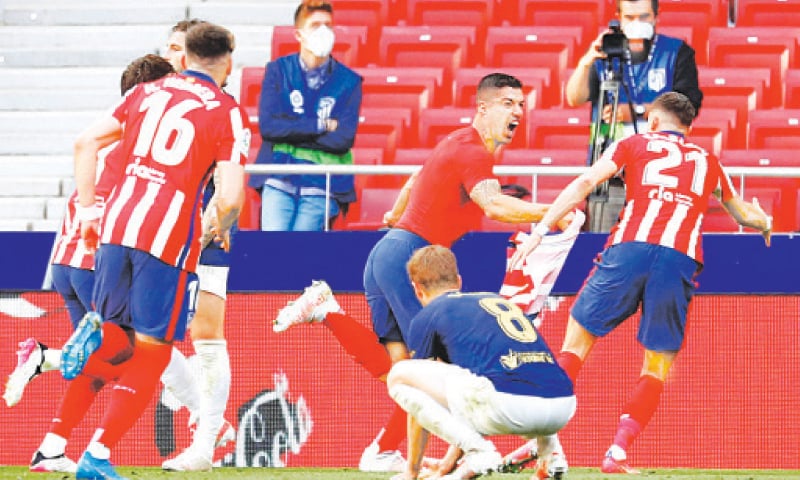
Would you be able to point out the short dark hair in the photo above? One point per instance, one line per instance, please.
(676, 104)
(185, 25)
(307, 7)
(654, 3)
(144, 69)
(496, 81)
(207, 40)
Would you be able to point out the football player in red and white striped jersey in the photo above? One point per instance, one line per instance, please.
(172, 134)
(652, 254)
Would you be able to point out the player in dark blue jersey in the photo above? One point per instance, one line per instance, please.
(479, 367)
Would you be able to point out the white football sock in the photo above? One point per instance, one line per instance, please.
(97, 449)
(178, 379)
(438, 420)
(214, 384)
(53, 445)
(52, 360)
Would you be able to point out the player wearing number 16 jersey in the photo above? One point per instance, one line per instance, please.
(652, 254)
(172, 134)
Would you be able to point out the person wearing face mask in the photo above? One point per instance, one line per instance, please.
(307, 114)
(656, 64)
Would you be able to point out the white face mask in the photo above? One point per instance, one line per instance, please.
(320, 41)
(637, 30)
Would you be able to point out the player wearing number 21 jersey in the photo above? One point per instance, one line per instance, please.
(652, 254)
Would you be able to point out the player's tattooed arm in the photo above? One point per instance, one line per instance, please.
(505, 208)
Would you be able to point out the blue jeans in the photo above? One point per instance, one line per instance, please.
(281, 211)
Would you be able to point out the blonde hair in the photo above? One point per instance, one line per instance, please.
(433, 268)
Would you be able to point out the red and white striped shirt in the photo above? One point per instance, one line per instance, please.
(668, 183)
(175, 130)
(68, 248)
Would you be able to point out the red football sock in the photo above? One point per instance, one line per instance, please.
(639, 410)
(76, 401)
(571, 364)
(394, 432)
(134, 390)
(361, 344)
(108, 361)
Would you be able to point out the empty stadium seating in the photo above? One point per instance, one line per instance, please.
(367, 212)
(429, 78)
(774, 129)
(559, 128)
(384, 127)
(450, 47)
(350, 42)
(698, 15)
(792, 85)
(766, 13)
(437, 123)
(773, 48)
(713, 120)
(589, 15)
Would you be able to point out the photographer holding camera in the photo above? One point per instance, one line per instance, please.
(640, 65)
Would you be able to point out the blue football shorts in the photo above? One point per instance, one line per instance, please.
(660, 279)
(137, 290)
(390, 296)
(75, 286)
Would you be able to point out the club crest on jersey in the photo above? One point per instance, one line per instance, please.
(657, 79)
(296, 99)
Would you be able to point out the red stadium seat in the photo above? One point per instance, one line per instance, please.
(559, 128)
(698, 15)
(480, 13)
(774, 129)
(363, 13)
(350, 41)
(369, 209)
(723, 120)
(553, 47)
(557, 157)
(431, 78)
(250, 93)
(786, 218)
(589, 15)
(444, 46)
(412, 156)
(739, 88)
(748, 47)
(766, 13)
(413, 97)
(535, 85)
(383, 127)
(437, 123)
(792, 98)
(709, 137)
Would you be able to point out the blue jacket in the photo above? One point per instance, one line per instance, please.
(288, 118)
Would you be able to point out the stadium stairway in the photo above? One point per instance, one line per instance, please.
(60, 64)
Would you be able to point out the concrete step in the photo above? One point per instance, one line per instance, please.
(37, 165)
(43, 143)
(275, 12)
(60, 77)
(96, 56)
(62, 99)
(145, 37)
(22, 208)
(18, 186)
(14, 225)
(46, 225)
(149, 12)
(54, 208)
(27, 122)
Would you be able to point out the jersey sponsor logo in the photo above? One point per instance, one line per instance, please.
(514, 360)
(145, 172)
(669, 196)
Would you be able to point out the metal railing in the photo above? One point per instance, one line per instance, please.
(500, 170)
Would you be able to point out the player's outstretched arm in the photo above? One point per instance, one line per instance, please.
(750, 215)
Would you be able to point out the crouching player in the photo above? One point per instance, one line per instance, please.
(479, 367)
